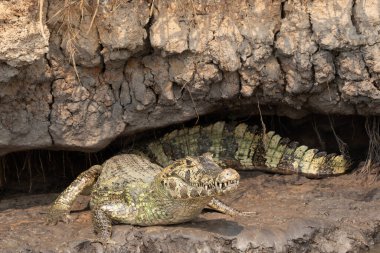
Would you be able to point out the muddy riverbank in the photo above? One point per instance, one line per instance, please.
(293, 214)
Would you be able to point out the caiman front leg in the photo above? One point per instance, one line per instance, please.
(219, 206)
(114, 210)
(60, 209)
(102, 224)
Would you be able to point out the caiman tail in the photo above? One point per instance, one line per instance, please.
(245, 147)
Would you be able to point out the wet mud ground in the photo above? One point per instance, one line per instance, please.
(293, 214)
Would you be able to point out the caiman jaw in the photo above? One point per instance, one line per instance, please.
(226, 181)
(197, 177)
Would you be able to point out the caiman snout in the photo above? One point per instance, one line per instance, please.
(228, 175)
(227, 181)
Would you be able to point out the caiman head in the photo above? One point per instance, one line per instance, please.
(197, 177)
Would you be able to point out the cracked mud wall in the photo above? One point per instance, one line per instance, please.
(140, 71)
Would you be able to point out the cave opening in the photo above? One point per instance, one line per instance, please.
(44, 171)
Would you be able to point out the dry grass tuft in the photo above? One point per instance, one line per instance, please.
(67, 16)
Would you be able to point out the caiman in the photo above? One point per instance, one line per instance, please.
(171, 179)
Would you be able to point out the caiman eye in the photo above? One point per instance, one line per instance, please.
(189, 162)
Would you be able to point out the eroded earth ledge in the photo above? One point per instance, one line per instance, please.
(141, 67)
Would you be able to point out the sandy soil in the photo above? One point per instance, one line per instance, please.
(294, 214)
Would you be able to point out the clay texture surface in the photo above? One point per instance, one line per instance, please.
(142, 67)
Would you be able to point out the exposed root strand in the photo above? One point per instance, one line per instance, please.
(93, 16)
(370, 170)
(316, 130)
(264, 129)
(343, 147)
(2, 172)
(194, 105)
(40, 18)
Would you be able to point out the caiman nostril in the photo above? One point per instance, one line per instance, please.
(229, 174)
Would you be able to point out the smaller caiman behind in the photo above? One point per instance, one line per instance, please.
(246, 147)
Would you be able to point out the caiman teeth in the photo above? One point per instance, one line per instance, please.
(223, 185)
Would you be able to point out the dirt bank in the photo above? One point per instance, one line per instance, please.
(139, 63)
(294, 214)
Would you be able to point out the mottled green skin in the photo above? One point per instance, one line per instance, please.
(245, 147)
(129, 189)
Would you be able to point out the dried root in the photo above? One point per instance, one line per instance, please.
(343, 147)
(2, 172)
(263, 126)
(40, 18)
(370, 169)
(33, 170)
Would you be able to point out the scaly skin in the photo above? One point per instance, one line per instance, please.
(130, 189)
(245, 147)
